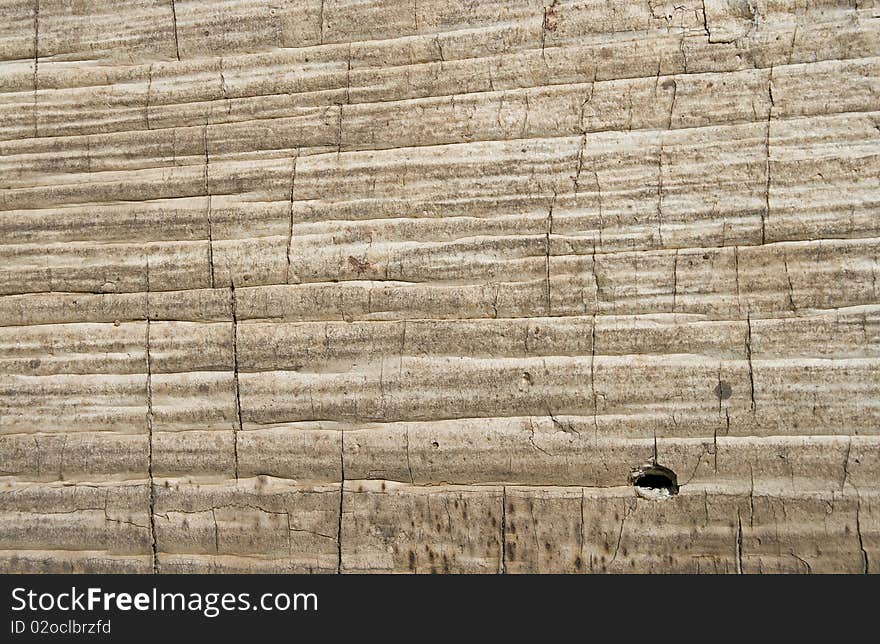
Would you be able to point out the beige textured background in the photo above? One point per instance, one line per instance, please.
(363, 285)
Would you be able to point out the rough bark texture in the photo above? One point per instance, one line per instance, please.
(338, 285)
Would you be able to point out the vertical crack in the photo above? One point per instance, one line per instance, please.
(581, 536)
(846, 464)
(675, 280)
(38, 456)
(235, 384)
(684, 58)
(339, 131)
(225, 88)
(593, 377)
(548, 23)
(626, 512)
(866, 566)
(715, 448)
(580, 164)
(532, 435)
(595, 280)
(412, 479)
(348, 79)
(525, 126)
(439, 46)
(503, 563)
(174, 24)
(660, 195)
(153, 545)
(208, 195)
(217, 532)
(790, 286)
(749, 359)
(706, 22)
(544, 34)
(147, 100)
(36, 58)
(739, 544)
(290, 215)
(794, 34)
(341, 496)
(736, 277)
(751, 496)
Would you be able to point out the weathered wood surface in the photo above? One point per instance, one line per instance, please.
(338, 285)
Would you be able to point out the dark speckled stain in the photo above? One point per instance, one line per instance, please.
(412, 560)
(578, 563)
(511, 551)
(723, 390)
(360, 265)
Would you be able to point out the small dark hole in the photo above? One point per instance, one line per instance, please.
(655, 480)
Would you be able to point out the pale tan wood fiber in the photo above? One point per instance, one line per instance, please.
(338, 286)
